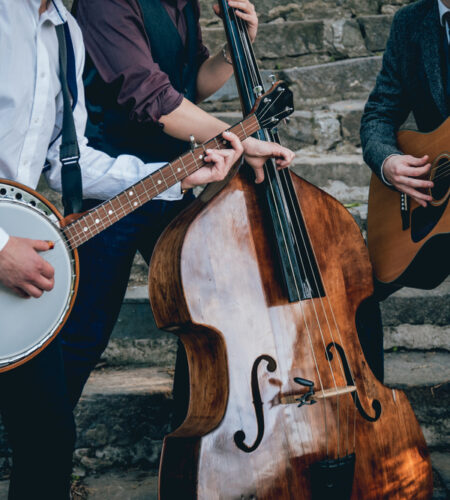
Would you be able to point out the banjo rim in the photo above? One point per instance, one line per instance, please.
(76, 270)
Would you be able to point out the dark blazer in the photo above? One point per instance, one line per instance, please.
(412, 78)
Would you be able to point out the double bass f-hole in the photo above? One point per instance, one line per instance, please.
(239, 436)
(376, 405)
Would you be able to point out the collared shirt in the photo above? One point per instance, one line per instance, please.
(31, 107)
(116, 41)
(443, 10)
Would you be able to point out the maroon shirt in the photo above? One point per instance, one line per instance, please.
(115, 38)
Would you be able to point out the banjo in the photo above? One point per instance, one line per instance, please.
(29, 325)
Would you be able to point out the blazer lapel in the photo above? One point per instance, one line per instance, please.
(431, 45)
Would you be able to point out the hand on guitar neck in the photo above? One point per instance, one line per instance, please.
(406, 173)
(22, 268)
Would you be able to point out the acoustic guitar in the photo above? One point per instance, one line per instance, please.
(409, 245)
(29, 325)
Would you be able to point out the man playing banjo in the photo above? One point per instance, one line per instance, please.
(33, 397)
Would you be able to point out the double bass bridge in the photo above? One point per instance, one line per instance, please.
(334, 392)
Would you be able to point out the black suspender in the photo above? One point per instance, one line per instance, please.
(69, 153)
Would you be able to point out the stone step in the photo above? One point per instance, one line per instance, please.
(278, 10)
(413, 319)
(313, 86)
(285, 42)
(136, 484)
(123, 415)
(333, 128)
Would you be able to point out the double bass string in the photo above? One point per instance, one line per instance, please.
(255, 82)
(244, 40)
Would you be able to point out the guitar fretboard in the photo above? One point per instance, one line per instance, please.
(109, 212)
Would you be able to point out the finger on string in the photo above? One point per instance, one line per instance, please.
(244, 16)
(416, 171)
(415, 183)
(234, 141)
(420, 198)
(42, 245)
(259, 174)
(216, 10)
(418, 162)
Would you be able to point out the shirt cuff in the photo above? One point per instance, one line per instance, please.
(4, 238)
(383, 178)
(174, 193)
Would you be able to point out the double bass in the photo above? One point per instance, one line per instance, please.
(261, 284)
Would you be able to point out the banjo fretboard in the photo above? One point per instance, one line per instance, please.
(109, 212)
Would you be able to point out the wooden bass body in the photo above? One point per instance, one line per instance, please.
(413, 251)
(251, 431)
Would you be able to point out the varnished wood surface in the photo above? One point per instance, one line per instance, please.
(76, 261)
(213, 272)
(391, 248)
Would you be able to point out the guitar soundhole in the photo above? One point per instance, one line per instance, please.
(441, 178)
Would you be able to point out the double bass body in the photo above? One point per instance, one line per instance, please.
(254, 430)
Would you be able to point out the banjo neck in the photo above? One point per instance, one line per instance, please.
(100, 218)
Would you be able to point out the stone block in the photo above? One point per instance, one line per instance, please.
(344, 39)
(277, 41)
(418, 307)
(417, 337)
(409, 369)
(337, 81)
(375, 30)
(319, 169)
(350, 113)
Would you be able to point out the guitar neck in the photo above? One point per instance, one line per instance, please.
(109, 212)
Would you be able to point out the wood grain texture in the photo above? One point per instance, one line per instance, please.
(213, 271)
(392, 251)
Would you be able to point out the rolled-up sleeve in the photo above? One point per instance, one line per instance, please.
(116, 41)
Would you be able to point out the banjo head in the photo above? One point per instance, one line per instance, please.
(28, 324)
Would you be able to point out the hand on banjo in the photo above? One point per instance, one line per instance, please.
(220, 160)
(22, 268)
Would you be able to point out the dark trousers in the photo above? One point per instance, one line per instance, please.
(105, 264)
(38, 419)
(37, 398)
(370, 328)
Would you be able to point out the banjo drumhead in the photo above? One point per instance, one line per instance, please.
(25, 324)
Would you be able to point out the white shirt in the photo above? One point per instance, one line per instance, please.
(31, 107)
(442, 10)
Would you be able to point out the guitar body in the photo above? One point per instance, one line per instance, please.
(214, 282)
(29, 325)
(416, 255)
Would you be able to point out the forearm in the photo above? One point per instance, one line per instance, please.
(212, 75)
(188, 119)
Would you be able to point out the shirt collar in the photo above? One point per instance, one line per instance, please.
(56, 13)
(442, 10)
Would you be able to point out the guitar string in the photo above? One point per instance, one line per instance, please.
(249, 97)
(318, 322)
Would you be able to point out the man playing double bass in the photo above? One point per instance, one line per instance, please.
(34, 399)
(146, 70)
